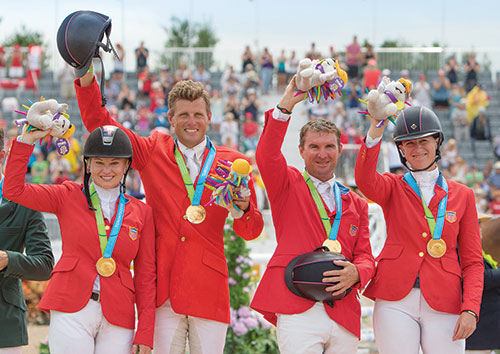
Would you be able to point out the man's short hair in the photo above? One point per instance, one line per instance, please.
(187, 90)
(2, 137)
(319, 126)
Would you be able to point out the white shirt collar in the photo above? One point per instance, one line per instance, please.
(317, 182)
(107, 199)
(426, 178)
(198, 149)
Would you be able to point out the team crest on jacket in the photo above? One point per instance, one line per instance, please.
(451, 216)
(132, 232)
(353, 230)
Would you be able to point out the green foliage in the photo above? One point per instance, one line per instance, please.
(24, 37)
(183, 34)
(43, 348)
(248, 332)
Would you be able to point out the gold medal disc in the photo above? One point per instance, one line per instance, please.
(196, 214)
(333, 245)
(436, 248)
(106, 266)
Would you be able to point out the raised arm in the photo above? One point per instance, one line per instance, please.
(272, 164)
(88, 95)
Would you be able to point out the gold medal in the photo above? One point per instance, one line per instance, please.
(436, 248)
(106, 266)
(333, 245)
(196, 214)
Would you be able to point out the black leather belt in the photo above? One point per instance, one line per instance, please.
(96, 297)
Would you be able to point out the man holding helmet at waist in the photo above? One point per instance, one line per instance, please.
(299, 202)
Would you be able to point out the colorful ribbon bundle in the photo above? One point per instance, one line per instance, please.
(229, 180)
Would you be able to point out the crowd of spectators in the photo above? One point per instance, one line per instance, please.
(237, 114)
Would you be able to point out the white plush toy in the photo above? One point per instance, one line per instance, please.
(389, 98)
(320, 78)
(49, 114)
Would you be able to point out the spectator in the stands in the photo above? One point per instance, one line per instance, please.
(250, 132)
(371, 75)
(233, 105)
(480, 129)
(155, 95)
(126, 96)
(369, 54)
(250, 78)
(471, 67)
(473, 177)
(247, 58)
(293, 64)
(494, 207)
(460, 123)
(496, 142)
(313, 53)
(118, 62)
(476, 98)
(250, 104)
(66, 77)
(266, 70)
(16, 63)
(282, 75)
(422, 92)
(39, 168)
(228, 74)
(166, 80)
(449, 154)
(127, 116)
(202, 75)
(160, 114)
(217, 106)
(141, 55)
(353, 58)
(182, 72)
(229, 128)
(451, 68)
(441, 93)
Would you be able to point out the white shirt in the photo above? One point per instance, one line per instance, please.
(107, 199)
(194, 157)
(326, 191)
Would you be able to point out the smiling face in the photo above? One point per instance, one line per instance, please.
(107, 172)
(190, 121)
(320, 152)
(420, 152)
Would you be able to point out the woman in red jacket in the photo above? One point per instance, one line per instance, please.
(429, 279)
(92, 292)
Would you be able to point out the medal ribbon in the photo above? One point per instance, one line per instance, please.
(435, 226)
(195, 195)
(1, 189)
(107, 245)
(331, 231)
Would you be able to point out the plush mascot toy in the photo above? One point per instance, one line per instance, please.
(229, 180)
(388, 99)
(48, 114)
(320, 79)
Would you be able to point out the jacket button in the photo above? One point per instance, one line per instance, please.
(183, 239)
(424, 234)
(421, 254)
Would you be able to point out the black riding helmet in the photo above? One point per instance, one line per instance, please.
(414, 123)
(80, 37)
(304, 275)
(106, 141)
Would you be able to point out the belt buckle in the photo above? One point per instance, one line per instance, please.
(96, 295)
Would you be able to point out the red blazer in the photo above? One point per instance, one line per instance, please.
(405, 256)
(299, 230)
(73, 276)
(191, 264)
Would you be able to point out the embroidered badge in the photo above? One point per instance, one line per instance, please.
(451, 216)
(353, 230)
(132, 232)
